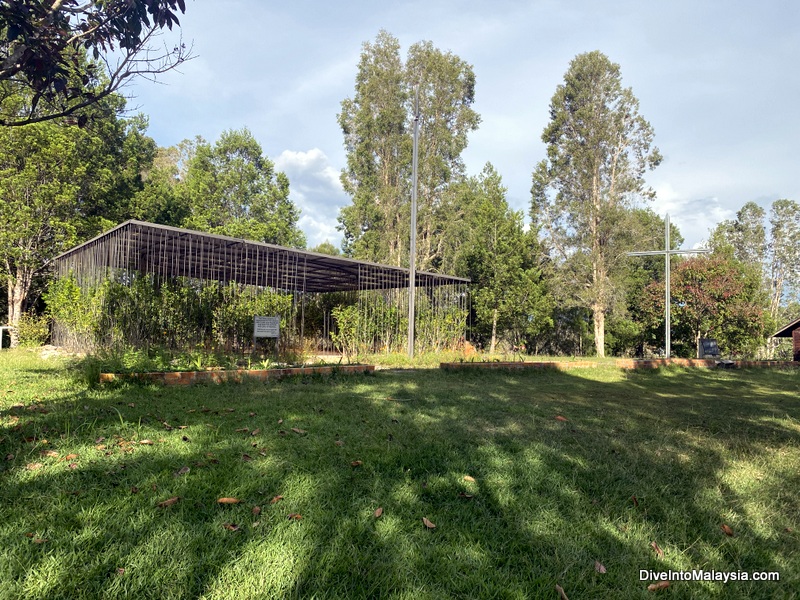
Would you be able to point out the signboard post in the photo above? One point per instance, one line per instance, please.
(267, 327)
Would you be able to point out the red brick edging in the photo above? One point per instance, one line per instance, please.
(239, 375)
(630, 363)
(559, 365)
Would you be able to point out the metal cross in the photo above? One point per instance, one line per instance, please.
(666, 252)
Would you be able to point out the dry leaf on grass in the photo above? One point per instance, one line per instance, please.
(40, 540)
(134, 490)
(242, 430)
(246, 457)
(228, 501)
(255, 432)
(561, 593)
(70, 457)
(599, 567)
(276, 499)
(339, 443)
(465, 495)
(256, 510)
(469, 478)
(661, 585)
(33, 466)
(428, 524)
(295, 517)
(120, 571)
(659, 552)
(146, 442)
(635, 501)
(562, 419)
(356, 463)
(49, 453)
(168, 502)
(728, 531)
(229, 410)
(378, 512)
(280, 421)
(181, 471)
(73, 465)
(298, 430)
(251, 414)
(9, 457)
(231, 526)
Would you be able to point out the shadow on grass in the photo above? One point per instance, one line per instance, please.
(549, 497)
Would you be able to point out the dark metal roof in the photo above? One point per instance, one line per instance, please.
(786, 332)
(174, 252)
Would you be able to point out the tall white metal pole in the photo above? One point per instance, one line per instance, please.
(412, 270)
(668, 300)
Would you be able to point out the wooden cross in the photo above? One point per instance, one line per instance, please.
(666, 252)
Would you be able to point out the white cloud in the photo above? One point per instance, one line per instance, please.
(315, 188)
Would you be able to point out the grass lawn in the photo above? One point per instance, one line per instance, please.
(640, 471)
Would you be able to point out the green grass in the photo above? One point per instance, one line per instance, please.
(696, 448)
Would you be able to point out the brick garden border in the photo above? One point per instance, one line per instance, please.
(622, 363)
(238, 375)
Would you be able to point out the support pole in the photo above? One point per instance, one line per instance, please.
(412, 270)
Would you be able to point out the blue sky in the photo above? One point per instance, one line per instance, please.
(719, 82)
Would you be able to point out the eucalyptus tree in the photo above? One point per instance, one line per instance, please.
(598, 150)
(376, 124)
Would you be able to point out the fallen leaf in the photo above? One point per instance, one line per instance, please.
(561, 593)
(465, 495)
(181, 471)
(33, 466)
(428, 524)
(70, 457)
(231, 526)
(246, 457)
(560, 418)
(29, 535)
(295, 517)
(9, 457)
(661, 585)
(191, 410)
(40, 540)
(100, 439)
(469, 478)
(205, 410)
(183, 426)
(280, 421)
(252, 414)
(276, 499)
(378, 512)
(49, 453)
(298, 430)
(134, 490)
(255, 432)
(356, 463)
(242, 430)
(256, 510)
(788, 530)
(228, 501)
(120, 571)
(73, 465)
(262, 453)
(659, 551)
(100, 447)
(168, 501)
(599, 567)
(635, 501)
(132, 405)
(339, 443)
(728, 531)
(229, 410)
(257, 524)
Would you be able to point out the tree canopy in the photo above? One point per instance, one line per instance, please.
(65, 55)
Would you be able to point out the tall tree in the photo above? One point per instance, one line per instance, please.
(509, 296)
(54, 182)
(43, 48)
(233, 189)
(598, 150)
(376, 124)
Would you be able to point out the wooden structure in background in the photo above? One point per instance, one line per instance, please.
(792, 330)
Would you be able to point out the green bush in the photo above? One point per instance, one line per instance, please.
(33, 330)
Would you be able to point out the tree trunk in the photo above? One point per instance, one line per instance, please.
(18, 288)
(494, 332)
(599, 330)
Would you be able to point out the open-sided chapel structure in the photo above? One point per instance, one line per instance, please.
(143, 284)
